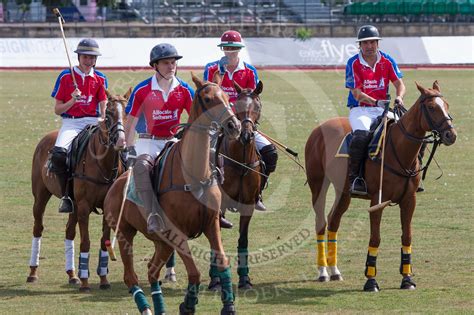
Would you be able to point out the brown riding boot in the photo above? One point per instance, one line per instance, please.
(144, 188)
(224, 223)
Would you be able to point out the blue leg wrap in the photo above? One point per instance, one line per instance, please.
(139, 298)
(158, 300)
(213, 272)
(191, 298)
(103, 266)
(172, 260)
(243, 264)
(84, 265)
(227, 294)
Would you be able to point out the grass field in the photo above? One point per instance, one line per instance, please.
(294, 103)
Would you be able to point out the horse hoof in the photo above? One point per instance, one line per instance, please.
(84, 289)
(170, 277)
(74, 281)
(215, 284)
(408, 284)
(32, 279)
(323, 279)
(244, 283)
(336, 277)
(184, 311)
(105, 286)
(228, 309)
(147, 311)
(371, 286)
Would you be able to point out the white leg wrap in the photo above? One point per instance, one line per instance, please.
(334, 271)
(35, 251)
(69, 254)
(84, 265)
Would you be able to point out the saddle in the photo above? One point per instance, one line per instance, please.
(79, 145)
(375, 144)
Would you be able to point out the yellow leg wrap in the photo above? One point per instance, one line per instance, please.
(321, 249)
(406, 249)
(332, 248)
(373, 251)
(370, 272)
(406, 269)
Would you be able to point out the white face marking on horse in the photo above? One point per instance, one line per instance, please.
(119, 109)
(440, 103)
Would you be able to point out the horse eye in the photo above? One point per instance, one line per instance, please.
(207, 99)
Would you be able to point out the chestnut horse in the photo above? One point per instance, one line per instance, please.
(242, 181)
(401, 177)
(191, 200)
(93, 175)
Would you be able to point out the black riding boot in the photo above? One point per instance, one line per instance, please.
(144, 188)
(224, 223)
(269, 156)
(357, 154)
(59, 167)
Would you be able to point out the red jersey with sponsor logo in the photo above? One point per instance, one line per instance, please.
(245, 76)
(372, 81)
(92, 86)
(160, 113)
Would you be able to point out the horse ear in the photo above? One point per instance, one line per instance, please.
(108, 94)
(259, 88)
(196, 80)
(436, 86)
(127, 95)
(237, 87)
(217, 79)
(420, 88)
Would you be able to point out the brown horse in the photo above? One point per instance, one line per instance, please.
(400, 179)
(190, 199)
(93, 175)
(242, 180)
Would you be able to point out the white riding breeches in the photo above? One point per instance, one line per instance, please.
(70, 128)
(151, 147)
(361, 118)
(261, 141)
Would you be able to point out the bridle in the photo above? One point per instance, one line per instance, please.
(216, 121)
(113, 128)
(247, 119)
(436, 131)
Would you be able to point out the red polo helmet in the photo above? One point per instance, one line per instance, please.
(231, 39)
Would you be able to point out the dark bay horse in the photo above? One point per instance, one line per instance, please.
(401, 177)
(242, 181)
(93, 175)
(190, 199)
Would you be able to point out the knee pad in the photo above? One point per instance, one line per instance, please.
(143, 164)
(270, 157)
(58, 160)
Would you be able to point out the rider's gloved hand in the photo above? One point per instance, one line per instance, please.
(131, 156)
(399, 101)
(224, 61)
(76, 94)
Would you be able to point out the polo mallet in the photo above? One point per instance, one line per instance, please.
(295, 154)
(61, 22)
(108, 245)
(381, 205)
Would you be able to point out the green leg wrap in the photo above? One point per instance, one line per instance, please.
(157, 296)
(191, 298)
(243, 264)
(139, 298)
(213, 272)
(172, 260)
(227, 294)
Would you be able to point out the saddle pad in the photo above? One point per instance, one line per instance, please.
(132, 193)
(374, 147)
